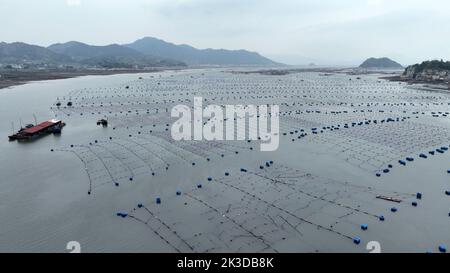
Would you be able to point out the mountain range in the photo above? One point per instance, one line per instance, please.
(146, 52)
(20, 53)
(194, 56)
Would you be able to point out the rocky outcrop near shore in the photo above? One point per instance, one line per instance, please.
(429, 71)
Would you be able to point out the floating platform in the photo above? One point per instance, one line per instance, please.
(392, 199)
(47, 127)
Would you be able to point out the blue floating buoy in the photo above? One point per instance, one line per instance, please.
(117, 184)
(158, 200)
(122, 214)
(356, 240)
(364, 226)
(419, 195)
(414, 204)
(448, 171)
(381, 218)
(442, 248)
(178, 192)
(131, 178)
(394, 209)
(193, 163)
(227, 174)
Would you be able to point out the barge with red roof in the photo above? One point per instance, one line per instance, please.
(32, 132)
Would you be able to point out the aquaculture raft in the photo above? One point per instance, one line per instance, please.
(46, 127)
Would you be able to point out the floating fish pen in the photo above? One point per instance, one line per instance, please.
(231, 221)
(250, 203)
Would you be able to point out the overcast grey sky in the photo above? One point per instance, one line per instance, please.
(292, 31)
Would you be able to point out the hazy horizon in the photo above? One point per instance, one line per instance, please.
(292, 32)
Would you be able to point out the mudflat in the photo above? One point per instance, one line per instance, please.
(11, 77)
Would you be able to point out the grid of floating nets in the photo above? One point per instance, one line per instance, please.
(367, 123)
(373, 143)
(269, 208)
(117, 160)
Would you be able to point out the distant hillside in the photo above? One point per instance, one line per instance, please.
(429, 71)
(193, 56)
(430, 65)
(79, 51)
(146, 52)
(21, 53)
(380, 63)
(109, 56)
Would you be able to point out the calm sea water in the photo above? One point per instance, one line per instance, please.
(312, 194)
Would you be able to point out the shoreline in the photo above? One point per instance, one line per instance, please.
(10, 78)
(433, 85)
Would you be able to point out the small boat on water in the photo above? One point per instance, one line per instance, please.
(31, 131)
(102, 122)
